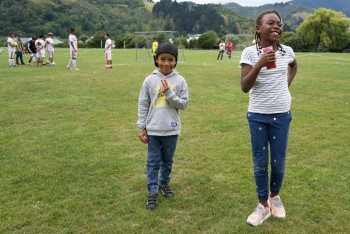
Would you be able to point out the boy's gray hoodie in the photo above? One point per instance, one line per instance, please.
(158, 112)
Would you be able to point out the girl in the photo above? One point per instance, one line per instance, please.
(267, 70)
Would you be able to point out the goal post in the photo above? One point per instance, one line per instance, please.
(143, 42)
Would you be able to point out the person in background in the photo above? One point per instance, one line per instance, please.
(19, 50)
(221, 50)
(50, 49)
(11, 47)
(40, 51)
(108, 51)
(32, 51)
(154, 49)
(229, 47)
(73, 49)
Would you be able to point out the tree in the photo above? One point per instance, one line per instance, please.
(83, 38)
(326, 28)
(208, 40)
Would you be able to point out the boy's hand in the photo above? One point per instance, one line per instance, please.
(165, 86)
(143, 136)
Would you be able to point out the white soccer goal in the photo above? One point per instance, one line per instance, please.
(143, 43)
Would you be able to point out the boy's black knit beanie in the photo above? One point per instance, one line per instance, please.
(168, 48)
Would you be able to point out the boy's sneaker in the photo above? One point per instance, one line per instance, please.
(259, 215)
(166, 190)
(277, 208)
(152, 201)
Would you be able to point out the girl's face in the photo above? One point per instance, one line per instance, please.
(166, 63)
(270, 28)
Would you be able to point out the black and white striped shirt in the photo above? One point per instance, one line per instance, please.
(270, 94)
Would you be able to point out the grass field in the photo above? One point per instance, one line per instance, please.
(71, 161)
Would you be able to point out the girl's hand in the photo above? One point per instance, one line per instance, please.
(143, 136)
(165, 86)
(267, 58)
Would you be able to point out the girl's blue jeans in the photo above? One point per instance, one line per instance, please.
(269, 130)
(161, 151)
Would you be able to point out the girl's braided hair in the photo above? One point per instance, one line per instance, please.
(257, 35)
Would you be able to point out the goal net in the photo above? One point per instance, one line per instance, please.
(143, 42)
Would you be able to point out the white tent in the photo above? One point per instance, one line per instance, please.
(26, 39)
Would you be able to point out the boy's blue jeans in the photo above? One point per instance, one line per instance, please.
(269, 130)
(161, 151)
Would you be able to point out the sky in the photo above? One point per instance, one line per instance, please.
(240, 2)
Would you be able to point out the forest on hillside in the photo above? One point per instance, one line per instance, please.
(34, 17)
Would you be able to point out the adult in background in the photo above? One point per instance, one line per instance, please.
(32, 51)
(11, 47)
(19, 50)
(73, 49)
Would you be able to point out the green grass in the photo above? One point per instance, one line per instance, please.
(71, 161)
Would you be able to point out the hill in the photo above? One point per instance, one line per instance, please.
(33, 17)
(291, 13)
(294, 12)
(337, 5)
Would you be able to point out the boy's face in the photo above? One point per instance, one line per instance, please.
(166, 63)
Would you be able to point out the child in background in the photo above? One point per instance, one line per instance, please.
(73, 50)
(50, 49)
(11, 47)
(40, 51)
(229, 47)
(108, 51)
(32, 51)
(154, 49)
(162, 95)
(267, 70)
(221, 50)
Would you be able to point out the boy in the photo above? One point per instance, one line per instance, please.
(32, 50)
(162, 94)
(50, 49)
(73, 47)
(40, 50)
(108, 51)
(11, 49)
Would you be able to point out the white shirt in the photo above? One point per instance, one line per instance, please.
(109, 45)
(9, 47)
(73, 39)
(270, 93)
(40, 47)
(222, 46)
(49, 43)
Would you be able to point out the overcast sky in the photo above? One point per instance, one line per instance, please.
(240, 2)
